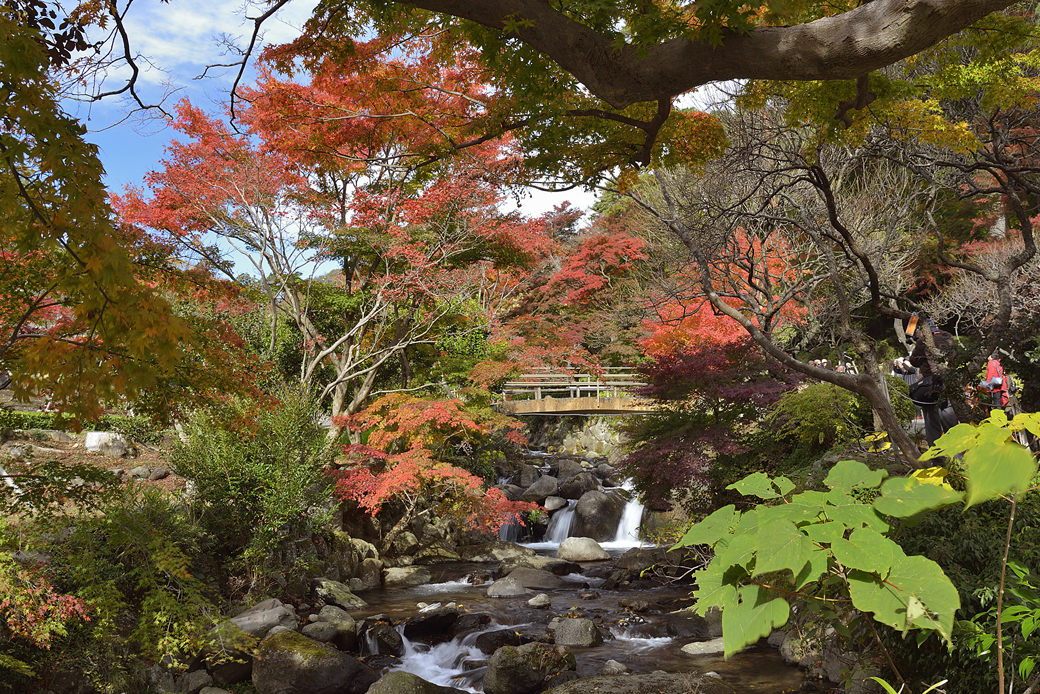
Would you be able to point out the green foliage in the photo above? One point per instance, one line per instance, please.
(257, 472)
(821, 415)
(139, 429)
(833, 550)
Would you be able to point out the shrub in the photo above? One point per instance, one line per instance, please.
(258, 478)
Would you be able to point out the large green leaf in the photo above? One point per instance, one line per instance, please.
(867, 551)
(711, 529)
(755, 616)
(851, 474)
(794, 512)
(954, 442)
(756, 484)
(816, 567)
(744, 543)
(904, 497)
(782, 546)
(1005, 468)
(911, 577)
(714, 588)
(853, 513)
(825, 533)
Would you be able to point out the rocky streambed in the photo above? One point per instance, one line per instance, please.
(515, 623)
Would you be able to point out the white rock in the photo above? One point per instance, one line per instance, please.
(107, 442)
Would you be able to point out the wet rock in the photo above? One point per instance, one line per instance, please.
(407, 576)
(470, 621)
(604, 470)
(291, 663)
(568, 468)
(581, 549)
(525, 669)
(528, 476)
(540, 601)
(432, 622)
(634, 604)
(345, 637)
(537, 579)
(589, 595)
(699, 648)
(491, 641)
(479, 578)
(495, 551)
(545, 486)
(335, 593)
(597, 515)
(507, 587)
(656, 682)
(578, 632)
(401, 682)
(688, 625)
(613, 667)
(576, 486)
(387, 639)
(440, 552)
(264, 616)
(638, 559)
(554, 503)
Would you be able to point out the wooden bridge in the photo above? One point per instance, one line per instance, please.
(546, 392)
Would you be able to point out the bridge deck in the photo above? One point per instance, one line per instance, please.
(576, 406)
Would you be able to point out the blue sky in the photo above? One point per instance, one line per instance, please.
(177, 41)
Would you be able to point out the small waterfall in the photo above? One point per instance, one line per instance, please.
(560, 526)
(511, 531)
(445, 663)
(627, 534)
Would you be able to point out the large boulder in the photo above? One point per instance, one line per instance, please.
(490, 641)
(688, 624)
(264, 616)
(385, 639)
(560, 567)
(701, 648)
(495, 551)
(507, 587)
(579, 632)
(407, 576)
(432, 622)
(576, 486)
(568, 468)
(545, 486)
(291, 663)
(512, 491)
(439, 552)
(370, 574)
(554, 503)
(581, 549)
(597, 515)
(656, 682)
(537, 579)
(639, 559)
(528, 476)
(107, 443)
(335, 593)
(525, 669)
(401, 682)
(346, 629)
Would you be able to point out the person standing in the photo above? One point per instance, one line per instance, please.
(996, 382)
(926, 393)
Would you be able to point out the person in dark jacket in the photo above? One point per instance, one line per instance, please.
(939, 416)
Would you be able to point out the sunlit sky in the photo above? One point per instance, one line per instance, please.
(176, 42)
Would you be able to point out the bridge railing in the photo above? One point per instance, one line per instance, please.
(613, 382)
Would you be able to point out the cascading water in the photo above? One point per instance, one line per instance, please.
(560, 526)
(627, 534)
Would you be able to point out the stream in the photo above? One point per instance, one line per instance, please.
(641, 641)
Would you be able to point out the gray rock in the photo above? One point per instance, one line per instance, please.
(559, 567)
(261, 618)
(160, 680)
(688, 625)
(537, 579)
(638, 559)
(507, 587)
(554, 503)
(406, 543)
(193, 682)
(440, 552)
(401, 682)
(528, 476)
(512, 491)
(581, 549)
(656, 682)
(699, 648)
(525, 669)
(579, 632)
(545, 486)
(320, 631)
(634, 604)
(604, 470)
(387, 640)
(540, 601)
(436, 621)
(597, 515)
(613, 668)
(407, 576)
(371, 573)
(159, 473)
(140, 472)
(346, 629)
(335, 593)
(491, 641)
(567, 468)
(495, 551)
(108, 443)
(291, 663)
(213, 690)
(576, 486)
(58, 436)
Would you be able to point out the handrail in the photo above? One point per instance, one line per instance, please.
(613, 381)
